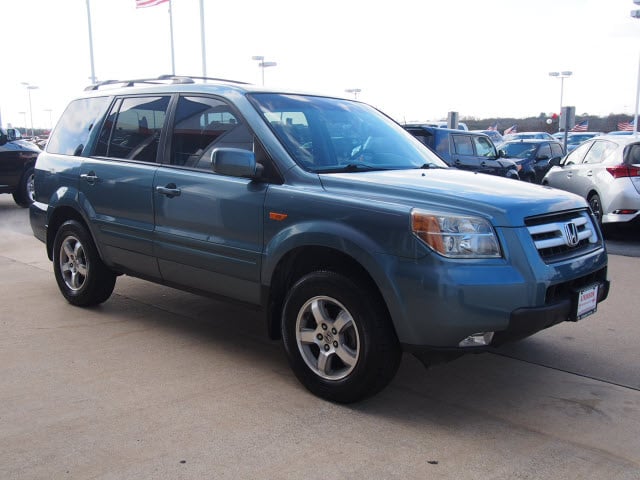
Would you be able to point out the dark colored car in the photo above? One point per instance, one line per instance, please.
(17, 158)
(464, 150)
(532, 157)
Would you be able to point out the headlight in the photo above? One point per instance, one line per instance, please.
(455, 236)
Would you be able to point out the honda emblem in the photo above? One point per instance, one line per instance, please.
(571, 234)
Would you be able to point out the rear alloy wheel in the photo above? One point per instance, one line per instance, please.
(596, 207)
(339, 342)
(81, 276)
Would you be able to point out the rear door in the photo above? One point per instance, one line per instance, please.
(208, 226)
(116, 182)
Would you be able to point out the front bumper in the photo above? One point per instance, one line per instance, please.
(523, 322)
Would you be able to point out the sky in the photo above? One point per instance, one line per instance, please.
(413, 59)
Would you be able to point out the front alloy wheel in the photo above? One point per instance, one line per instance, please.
(338, 336)
(327, 338)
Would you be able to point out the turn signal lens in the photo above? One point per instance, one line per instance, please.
(455, 236)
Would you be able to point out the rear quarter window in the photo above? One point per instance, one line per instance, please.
(75, 127)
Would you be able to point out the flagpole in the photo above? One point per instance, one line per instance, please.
(93, 72)
(173, 62)
(204, 55)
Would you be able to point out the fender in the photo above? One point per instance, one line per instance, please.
(343, 238)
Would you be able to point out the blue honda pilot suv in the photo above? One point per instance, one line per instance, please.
(355, 240)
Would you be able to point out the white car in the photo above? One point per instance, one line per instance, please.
(606, 171)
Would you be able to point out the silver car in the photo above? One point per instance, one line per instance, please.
(606, 171)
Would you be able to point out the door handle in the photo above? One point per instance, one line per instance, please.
(590, 173)
(170, 190)
(90, 177)
(483, 164)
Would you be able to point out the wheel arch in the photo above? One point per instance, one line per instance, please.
(342, 254)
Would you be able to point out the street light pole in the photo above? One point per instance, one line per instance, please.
(24, 119)
(262, 64)
(355, 92)
(29, 88)
(561, 76)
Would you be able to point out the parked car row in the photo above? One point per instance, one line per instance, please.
(604, 170)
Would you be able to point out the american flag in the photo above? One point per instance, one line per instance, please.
(149, 3)
(581, 127)
(626, 126)
(493, 127)
(511, 129)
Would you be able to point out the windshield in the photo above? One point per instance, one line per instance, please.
(576, 139)
(519, 150)
(325, 135)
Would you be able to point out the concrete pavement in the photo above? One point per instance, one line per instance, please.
(157, 383)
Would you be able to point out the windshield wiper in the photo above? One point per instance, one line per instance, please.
(351, 167)
(427, 166)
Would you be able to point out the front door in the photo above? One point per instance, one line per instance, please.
(208, 227)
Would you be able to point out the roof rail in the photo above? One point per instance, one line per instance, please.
(162, 79)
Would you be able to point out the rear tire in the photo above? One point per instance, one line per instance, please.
(25, 193)
(338, 337)
(82, 277)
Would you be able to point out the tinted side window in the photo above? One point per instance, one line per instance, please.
(132, 129)
(462, 144)
(72, 133)
(202, 124)
(599, 152)
(576, 156)
(544, 150)
(556, 150)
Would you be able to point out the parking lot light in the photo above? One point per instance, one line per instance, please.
(561, 75)
(355, 92)
(262, 64)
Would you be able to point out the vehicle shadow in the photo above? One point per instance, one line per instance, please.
(470, 393)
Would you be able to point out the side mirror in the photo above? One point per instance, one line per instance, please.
(12, 135)
(554, 162)
(3, 138)
(235, 162)
(502, 153)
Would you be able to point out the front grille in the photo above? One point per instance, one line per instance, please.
(563, 235)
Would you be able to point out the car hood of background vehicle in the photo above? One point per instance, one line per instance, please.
(506, 201)
(20, 146)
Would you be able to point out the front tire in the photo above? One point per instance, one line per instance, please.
(338, 337)
(82, 277)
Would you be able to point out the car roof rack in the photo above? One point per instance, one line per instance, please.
(162, 79)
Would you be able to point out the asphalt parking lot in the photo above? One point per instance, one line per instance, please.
(157, 383)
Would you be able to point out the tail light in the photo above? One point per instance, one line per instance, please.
(621, 171)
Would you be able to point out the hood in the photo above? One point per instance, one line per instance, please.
(20, 146)
(505, 201)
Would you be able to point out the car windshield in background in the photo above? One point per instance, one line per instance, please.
(575, 139)
(518, 150)
(326, 135)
